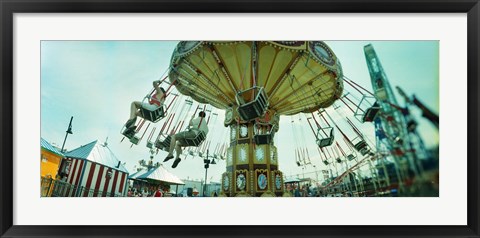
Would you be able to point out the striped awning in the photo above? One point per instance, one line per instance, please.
(136, 174)
(162, 175)
(98, 153)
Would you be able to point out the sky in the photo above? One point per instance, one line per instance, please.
(95, 82)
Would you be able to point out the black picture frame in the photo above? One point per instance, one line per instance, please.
(9, 7)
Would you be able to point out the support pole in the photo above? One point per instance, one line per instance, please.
(62, 161)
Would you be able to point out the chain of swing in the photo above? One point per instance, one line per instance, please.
(176, 110)
(331, 152)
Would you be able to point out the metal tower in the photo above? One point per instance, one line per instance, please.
(391, 125)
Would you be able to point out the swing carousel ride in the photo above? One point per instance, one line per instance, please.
(258, 82)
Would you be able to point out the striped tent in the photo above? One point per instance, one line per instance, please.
(161, 174)
(135, 175)
(96, 172)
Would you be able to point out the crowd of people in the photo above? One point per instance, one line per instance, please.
(302, 190)
(149, 191)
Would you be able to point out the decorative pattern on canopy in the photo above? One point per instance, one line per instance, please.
(298, 76)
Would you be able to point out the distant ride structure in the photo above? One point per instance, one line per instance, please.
(395, 128)
(256, 82)
(397, 158)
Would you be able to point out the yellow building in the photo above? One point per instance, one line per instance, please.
(49, 160)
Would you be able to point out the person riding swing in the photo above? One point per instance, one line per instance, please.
(156, 101)
(196, 127)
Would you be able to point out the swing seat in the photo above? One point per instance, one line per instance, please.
(325, 162)
(351, 157)
(327, 141)
(338, 160)
(149, 144)
(153, 116)
(129, 133)
(370, 114)
(163, 144)
(362, 147)
(264, 138)
(255, 108)
(365, 151)
(367, 109)
(134, 140)
(196, 141)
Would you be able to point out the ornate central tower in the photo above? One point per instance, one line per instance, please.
(252, 159)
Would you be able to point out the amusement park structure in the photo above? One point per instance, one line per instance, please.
(258, 82)
(255, 82)
(395, 129)
(397, 141)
